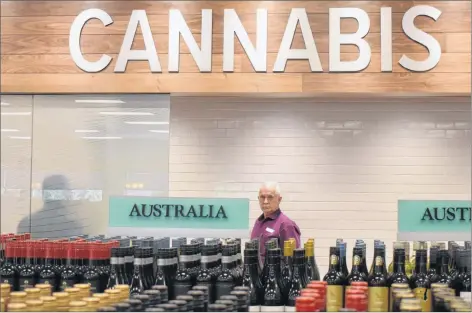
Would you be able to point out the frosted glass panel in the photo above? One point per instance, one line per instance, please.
(86, 148)
(16, 117)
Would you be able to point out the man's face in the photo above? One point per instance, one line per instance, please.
(269, 200)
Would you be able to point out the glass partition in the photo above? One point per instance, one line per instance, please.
(16, 129)
(85, 148)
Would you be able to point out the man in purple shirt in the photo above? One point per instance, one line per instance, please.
(273, 223)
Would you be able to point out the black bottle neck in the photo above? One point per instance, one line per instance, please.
(444, 263)
(420, 259)
(399, 261)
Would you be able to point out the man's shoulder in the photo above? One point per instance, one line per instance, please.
(287, 220)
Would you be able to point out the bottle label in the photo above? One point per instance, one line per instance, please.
(334, 259)
(290, 309)
(356, 260)
(210, 288)
(334, 298)
(378, 299)
(10, 281)
(378, 261)
(66, 283)
(223, 289)
(93, 285)
(266, 308)
(114, 260)
(466, 295)
(254, 308)
(424, 295)
(25, 283)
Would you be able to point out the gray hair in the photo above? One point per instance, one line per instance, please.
(271, 185)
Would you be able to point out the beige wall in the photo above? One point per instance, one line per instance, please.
(341, 165)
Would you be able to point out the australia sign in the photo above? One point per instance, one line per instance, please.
(434, 220)
(180, 216)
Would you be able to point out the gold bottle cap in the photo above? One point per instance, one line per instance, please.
(47, 299)
(92, 300)
(406, 295)
(406, 307)
(309, 249)
(60, 295)
(121, 287)
(16, 307)
(438, 285)
(113, 292)
(77, 303)
(399, 285)
(4, 287)
(82, 286)
(102, 296)
(18, 295)
(72, 290)
(32, 291)
(288, 248)
(33, 303)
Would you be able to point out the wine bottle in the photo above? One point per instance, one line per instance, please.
(286, 273)
(204, 275)
(443, 275)
(376, 245)
(416, 246)
(115, 270)
(251, 277)
(377, 282)
(433, 266)
(361, 245)
(225, 281)
(270, 244)
(26, 275)
(314, 273)
(465, 287)
(8, 270)
(408, 266)
(48, 274)
(419, 281)
(70, 274)
(138, 281)
(92, 273)
(183, 278)
(399, 275)
(296, 284)
(396, 245)
(336, 282)
(461, 267)
(273, 301)
(356, 273)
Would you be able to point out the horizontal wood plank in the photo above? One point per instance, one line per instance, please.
(63, 64)
(124, 7)
(395, 82)
(220, 83)
(452, 22)
(36, 59)
(91, 44)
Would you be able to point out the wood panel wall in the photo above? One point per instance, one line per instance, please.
(35, 53)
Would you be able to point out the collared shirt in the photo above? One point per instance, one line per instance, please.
(277, 225)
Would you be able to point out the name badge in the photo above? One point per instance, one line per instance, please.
(270, 230)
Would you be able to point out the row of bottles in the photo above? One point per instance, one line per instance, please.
(60, 264)
(380, 282)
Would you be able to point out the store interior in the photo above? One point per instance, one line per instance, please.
(342, 162)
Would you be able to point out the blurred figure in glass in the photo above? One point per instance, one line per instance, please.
(58, 216)
(273, 223)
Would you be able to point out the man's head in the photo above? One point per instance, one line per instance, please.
(269, 197)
